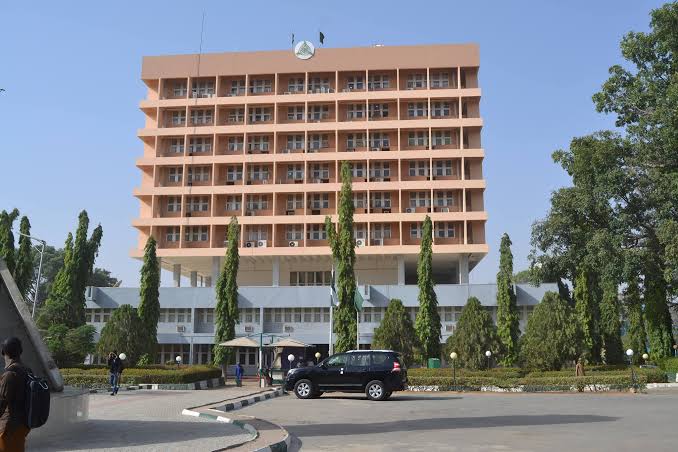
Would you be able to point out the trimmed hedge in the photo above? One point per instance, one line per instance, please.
(533, 384)
(669, 365)
(98, 377)
(499, 372)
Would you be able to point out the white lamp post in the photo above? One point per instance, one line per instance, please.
(178, 360)
(488, 354)
(317, 357)
(122, 356)
(290, 358)
(453, 357)
(645, 356)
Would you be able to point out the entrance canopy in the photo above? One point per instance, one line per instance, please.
(288, 342)
(240, 342)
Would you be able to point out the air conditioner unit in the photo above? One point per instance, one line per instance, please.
(377, 242)
(262, 243)
(250, 244)
(249, 329)
(181, 328)
(293, 244)
(360, 243)
(445, 209)
(409, 210)
(289, 329)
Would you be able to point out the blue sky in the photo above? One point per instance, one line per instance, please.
(69, 115)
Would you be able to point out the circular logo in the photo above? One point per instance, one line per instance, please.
(304, 50)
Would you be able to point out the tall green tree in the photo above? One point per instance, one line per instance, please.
(427, 323)
(657, 316)
(124, 333)
(7, 251)
(23, 274)
(56, 309)
(396, 332)
(612, 350)
(586, 311)
(226, 312)
(70, 346)
(551, 337)
(637, 338)
(508, 326)
(102, 278)
(474, 335)
(149, 295)
(342, 244)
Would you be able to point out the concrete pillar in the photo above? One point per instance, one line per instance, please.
(401, 270)
(216, 267)
(202, 281)
(194, 279)
(176, 276)
(208, 281)
(275, 272)
(463, 269)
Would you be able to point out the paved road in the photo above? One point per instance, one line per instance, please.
(148, 421)
(479, 422)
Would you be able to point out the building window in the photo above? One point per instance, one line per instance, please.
(258, 143)
(444, 230)
(257, 202)
(295, 201)
(197, 234)
(418, 168)
(314, 278)
(355, 111)
(380, 170)
(201, 117)
(381, 200)
(234, 173)
(443, 168)
(199, 174)
(295, 113)
(294, 232)
(260, 114)
(320, 201)
(295, 172)
(174, 204)
(440, 109)
(440, 80)
(359, 200)
(176, 145)
(287, 312)
(233, 203)
(258, 172)
(236, 115)
(247, 356)
(172, 234)
(320, 171)
(295, 142)
(318, 112)
(419, 199)
(237, 87)
(295, 85)
(179, 89)
(317, 232)
(415, 230)
(202, 88)
(355, 140)
(357, 169)
(318, 141)
(359, 231)
(174, 174)
(198, 204)
(259, 86)
(256, 233)
(235, 144)
(379, 140)
(378, 111)
(442, 138)
(355, 82)
(444, 198)
(380, 231)
(319, 85)
(376, 82)
(178, 118)
(417, 109)
(419, 138)
(416, 81)
(200, 144)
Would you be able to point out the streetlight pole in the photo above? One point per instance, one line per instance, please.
(453, 357)
(37, 281)
(629, 353)
(488, 354)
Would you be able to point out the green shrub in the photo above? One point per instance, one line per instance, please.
(98, 377)
(531, 383)
(669, 365)
(505, 372)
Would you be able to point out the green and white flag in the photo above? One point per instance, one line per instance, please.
(358, 299)
(333, 292)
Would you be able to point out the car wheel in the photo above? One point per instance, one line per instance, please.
(375, 390)
(303, 389)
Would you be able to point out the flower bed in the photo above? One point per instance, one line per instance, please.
(97, 377)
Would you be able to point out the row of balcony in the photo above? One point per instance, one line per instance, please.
(313, 83)
(387, 140)
(313, 112)
(300, 235)
(316, 203)
(252, 173)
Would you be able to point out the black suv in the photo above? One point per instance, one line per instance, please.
(377, 373)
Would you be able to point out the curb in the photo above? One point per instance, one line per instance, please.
(198, 385)
(661, 385)
(280, 446)
(254, 434)
(247, 402)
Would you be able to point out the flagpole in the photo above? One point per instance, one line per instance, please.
(331, 348)
(357, 323)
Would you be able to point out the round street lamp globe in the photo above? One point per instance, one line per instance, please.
(488, 353)
(453, 355)
(629, 352)
(317, 355)
(645, 356)
(122, 356)
(178, 359)
(290, 357)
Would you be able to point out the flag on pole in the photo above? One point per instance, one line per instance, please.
(333, 291)
(358, 299)
(292, 38)
(322, 37)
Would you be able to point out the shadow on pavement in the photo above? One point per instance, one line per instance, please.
(442, 424)
(110, 434)
(393, 398)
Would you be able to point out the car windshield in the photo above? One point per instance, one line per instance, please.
(335, 361)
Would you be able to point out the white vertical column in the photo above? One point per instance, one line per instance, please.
(194, 279)
(216, 268)
(401, 270)
(463, 269)
(208, 281)
(275, 271)
(176, 276)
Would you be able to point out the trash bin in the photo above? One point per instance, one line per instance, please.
(434, 363)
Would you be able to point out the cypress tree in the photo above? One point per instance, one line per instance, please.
(7, 251)
(342, 244)
(586, 314)
(124, 332)
(84, 254)
(637, 338)
(657, 316)
(56, 308)
(508, 326)
(612, 349)
(396, 332)
(427, 323)
(474, 335)
(226, 312)
(23, 274)
(149, 295)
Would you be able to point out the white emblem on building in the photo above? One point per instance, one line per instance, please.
(304, 50)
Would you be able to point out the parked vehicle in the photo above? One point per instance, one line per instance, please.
(377, 373)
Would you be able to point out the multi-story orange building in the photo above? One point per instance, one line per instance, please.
(262, 136)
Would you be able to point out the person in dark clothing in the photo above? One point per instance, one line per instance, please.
(238, 374)
(115, 371)
(13, 416)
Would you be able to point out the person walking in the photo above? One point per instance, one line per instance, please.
(238, 374)
(115, 371)
(13, 416)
